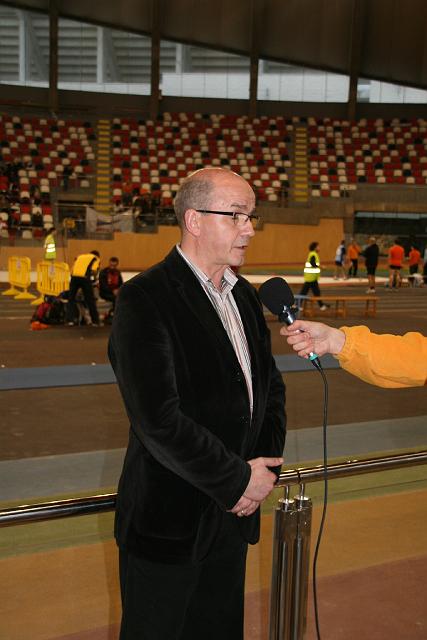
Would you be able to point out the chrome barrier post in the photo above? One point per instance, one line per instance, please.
(285, 530)
(301, 565)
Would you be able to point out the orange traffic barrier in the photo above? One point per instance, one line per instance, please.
(19, 268)
(52, 279)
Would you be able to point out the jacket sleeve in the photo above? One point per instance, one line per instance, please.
(385, 360)
(271, 441)
(103, 284)
(142, 355)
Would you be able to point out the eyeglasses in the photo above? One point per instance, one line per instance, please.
(239, 219)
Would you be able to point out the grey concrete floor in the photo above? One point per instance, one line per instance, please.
(53, 433)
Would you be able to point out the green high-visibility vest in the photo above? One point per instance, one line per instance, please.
(311, 274)
(49, 248)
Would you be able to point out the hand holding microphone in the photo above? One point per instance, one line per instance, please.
(306, 337)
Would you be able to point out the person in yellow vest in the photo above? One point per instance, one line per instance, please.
(50, 244)
(312, 274)
(83, 276)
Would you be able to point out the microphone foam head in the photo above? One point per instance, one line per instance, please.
(276, 294)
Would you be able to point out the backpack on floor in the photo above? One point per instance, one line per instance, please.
(50, 311)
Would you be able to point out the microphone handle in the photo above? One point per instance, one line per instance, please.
(288, 317)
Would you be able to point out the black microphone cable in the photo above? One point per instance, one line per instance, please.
(325, 496)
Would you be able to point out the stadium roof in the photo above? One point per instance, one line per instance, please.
(375, 39)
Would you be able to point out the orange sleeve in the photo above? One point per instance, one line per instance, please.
(385, 360)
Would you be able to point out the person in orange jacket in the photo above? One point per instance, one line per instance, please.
(396, 255)
(414, 261)
(353, 255)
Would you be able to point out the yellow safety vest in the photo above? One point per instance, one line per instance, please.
(49, 248)
(311, 274)
(82, 264)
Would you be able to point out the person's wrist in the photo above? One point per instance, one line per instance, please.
(337, 341)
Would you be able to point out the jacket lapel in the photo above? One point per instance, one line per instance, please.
(198, 303)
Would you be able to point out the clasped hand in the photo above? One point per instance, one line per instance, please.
(260, 485)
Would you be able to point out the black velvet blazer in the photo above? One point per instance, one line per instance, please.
(190, 426)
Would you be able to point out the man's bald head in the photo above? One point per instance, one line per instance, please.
(198, 189)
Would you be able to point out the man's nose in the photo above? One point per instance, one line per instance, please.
(249, 228)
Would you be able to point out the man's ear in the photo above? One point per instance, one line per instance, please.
(192, 222)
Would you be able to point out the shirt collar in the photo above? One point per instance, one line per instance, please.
(229, 278)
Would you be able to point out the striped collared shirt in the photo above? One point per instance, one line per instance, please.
(226, 308)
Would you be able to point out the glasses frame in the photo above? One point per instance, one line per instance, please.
(254, 219)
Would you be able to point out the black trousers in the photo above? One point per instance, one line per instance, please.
(354, 267)
(109, 297)
(314, 286)
(186, 602)
(85, 285)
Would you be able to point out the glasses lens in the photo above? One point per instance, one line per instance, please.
(240, 219)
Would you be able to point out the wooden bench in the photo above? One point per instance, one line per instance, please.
(339, 304)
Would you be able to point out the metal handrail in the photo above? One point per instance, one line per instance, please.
(351, 468)
(106, 502)
(57, 509)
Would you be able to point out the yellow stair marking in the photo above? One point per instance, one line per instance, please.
(103, 167)
(301, 185)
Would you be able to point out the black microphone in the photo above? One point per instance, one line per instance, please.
(277, 296)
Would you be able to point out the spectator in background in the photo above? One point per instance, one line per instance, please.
(66, 174)
(371, 255)
(339, 260)
(15, 216)
(50, 245)
(83, 276)
(414, 261)
(36, 216)
(35, 193)
(312, 274)
(69, 226)
(110, 281)
(144, 215)
(127, 193)
(353, 256)
(425, 266)
(396, 255)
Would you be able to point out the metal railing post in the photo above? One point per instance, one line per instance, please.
(290, 568)
(301, 564)
(285, 531)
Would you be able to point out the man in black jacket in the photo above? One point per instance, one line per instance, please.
(192, 356)
(371, 254)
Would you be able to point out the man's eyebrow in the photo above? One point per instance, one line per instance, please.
(239, 205)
